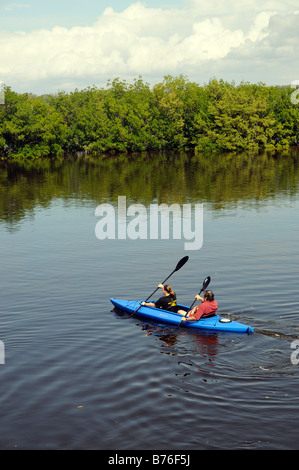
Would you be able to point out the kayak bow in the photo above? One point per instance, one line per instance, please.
(215, 323)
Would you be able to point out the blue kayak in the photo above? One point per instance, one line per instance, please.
(215, 323)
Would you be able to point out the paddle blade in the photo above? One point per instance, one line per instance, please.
(205, 283)
(181, 263)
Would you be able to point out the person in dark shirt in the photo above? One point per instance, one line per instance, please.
(167, 301)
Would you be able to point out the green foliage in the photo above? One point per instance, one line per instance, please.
(175, 114)
(130, 111)
(236, 119)
(31, 128)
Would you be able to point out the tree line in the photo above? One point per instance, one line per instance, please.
(176, 114)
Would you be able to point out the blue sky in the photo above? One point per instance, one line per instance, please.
(68, 44)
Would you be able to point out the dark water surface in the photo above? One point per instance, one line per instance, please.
(79, 376)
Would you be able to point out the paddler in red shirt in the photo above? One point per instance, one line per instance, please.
(207, 308)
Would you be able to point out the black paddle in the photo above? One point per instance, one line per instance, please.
(205, 284)
(178, 266)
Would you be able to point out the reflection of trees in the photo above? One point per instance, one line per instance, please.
(170, 177)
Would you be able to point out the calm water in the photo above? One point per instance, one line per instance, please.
(78, 375)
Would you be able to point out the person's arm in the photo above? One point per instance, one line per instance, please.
(189, 318)
(151, 304)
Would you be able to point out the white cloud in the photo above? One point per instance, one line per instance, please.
(200, 40)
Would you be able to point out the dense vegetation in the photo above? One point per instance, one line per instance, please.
(175, 114)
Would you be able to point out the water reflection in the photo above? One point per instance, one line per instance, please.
(222, 180)
(204, 342)
(55, 302)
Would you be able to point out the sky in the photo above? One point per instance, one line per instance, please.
(63, 45)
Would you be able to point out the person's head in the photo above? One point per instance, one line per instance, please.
(208, 295)
(168, 290)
